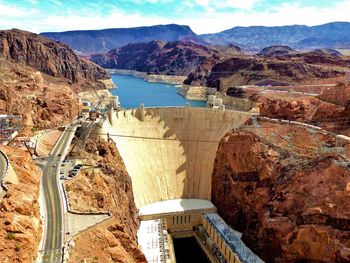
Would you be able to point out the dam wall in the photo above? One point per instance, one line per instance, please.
(169, 153)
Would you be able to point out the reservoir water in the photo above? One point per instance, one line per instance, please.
(133, 91)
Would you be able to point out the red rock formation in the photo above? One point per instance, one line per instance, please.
(42, 100)
(48, 56)
(287, 188)
(20, 223)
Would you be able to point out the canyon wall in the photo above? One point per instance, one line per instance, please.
(286, 188)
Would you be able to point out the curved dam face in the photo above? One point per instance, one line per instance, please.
(169, 152)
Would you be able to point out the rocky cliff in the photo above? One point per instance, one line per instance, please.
(48, 56)
(107, 187)
(20, 222)
(156, 57)
(287, 188)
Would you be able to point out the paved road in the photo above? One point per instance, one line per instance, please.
(53, 240)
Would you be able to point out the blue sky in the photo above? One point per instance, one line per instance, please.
(204, 16)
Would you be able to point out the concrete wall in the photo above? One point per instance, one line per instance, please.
(172, 150)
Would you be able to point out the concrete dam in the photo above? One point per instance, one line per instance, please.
(169, 152)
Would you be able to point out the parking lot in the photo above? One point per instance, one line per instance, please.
(69, 169)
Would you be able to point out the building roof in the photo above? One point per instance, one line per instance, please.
(176, 205)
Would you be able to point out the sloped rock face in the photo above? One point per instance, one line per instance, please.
(50, 57)
(41, 100)
(20, 223)
(287, 189)
(107, 188)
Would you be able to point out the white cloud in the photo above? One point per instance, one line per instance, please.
(12, 11)
(221, 4)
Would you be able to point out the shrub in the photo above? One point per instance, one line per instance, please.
(10, 236)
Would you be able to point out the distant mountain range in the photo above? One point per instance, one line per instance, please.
(331, 35)
(254, 38)
(100, 41)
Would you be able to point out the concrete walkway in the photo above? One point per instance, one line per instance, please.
(75, 223)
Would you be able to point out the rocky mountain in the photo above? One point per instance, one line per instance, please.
(94, 41)
(39, 79)
(286, 188)
(287, 69)
(48, 56)
(157, 57)
(254, 38)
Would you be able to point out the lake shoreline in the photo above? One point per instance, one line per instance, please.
(152, 78)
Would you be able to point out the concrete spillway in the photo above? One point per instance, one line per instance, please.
(169, 152)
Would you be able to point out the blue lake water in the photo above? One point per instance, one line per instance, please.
(134, 91)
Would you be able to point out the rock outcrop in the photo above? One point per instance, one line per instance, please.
(287, 189)
(48, 56)
(106, 187)
(20, 222)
